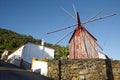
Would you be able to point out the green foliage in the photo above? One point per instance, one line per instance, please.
(10, 41)
(45, 59)
(61, 52)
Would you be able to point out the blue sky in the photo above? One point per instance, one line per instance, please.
(37, 17)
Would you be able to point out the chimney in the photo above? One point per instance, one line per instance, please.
(42, 43)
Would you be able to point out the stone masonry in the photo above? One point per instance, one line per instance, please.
(84, 69)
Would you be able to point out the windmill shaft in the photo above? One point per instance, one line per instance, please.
(82, 23)
(96, 15)
(63, 38)
(99, 46)
(75, 11)
(61, 29)
(69, 13)
(99, 18)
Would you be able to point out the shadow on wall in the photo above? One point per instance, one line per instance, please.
(109, 71)
(59, 69)
(38, 71)
(32, 50)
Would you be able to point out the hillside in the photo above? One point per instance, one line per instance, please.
(10, 40)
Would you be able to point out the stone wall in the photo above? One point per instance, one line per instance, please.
(87, 69)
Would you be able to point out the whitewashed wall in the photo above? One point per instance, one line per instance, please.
(30, 50)
(37, 51)
(40, 67)
(18, 52)
(101, 55)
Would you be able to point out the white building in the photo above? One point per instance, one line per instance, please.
(27, 52)
(102, 55)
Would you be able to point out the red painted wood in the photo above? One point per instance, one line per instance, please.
(82, 44)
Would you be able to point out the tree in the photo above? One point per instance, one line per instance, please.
(62, 52)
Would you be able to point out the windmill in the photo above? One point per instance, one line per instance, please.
(82, 44)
